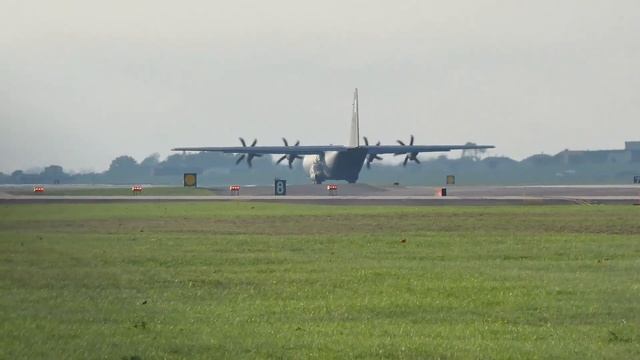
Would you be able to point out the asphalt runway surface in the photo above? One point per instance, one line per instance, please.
(375, 195)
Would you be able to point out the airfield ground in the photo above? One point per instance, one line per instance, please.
(348, 194)
(259, 280)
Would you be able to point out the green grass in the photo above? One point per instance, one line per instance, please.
(253, 280)
(118, 191)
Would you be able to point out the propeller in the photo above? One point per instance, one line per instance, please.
(413, 156)
(371, 157)
(249, 155)
(291, 157)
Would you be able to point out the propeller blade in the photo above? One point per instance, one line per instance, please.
(371, 158)
(243, 143)
(378, 143)
(282, 158)
(255, 141)
(291, 162)
(249, 158)
(411, 142)
(285, 142)
(366, 141)
(406, 158)
(240, 158)
(297, 143)
(416, 160)
(401, 143)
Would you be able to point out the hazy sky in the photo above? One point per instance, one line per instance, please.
(82, 82)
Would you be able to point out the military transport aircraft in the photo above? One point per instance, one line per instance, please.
(334, 162)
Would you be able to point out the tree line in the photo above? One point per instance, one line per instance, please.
(220, 169)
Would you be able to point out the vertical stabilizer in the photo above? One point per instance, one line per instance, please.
(354, 136)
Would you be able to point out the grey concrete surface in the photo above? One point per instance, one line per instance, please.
(383, 195)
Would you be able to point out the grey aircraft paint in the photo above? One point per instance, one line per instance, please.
(334, 162)
(339, 165)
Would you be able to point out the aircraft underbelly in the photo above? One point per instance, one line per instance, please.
(345, 165)
(335, 165)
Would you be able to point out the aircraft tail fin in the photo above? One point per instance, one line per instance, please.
(354, 136)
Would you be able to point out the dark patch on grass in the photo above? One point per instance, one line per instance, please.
(615, 338)
(140, 324)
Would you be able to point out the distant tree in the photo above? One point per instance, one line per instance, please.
(53, 170)
(16, 177)
(496, 161)
(151, 161)
(541, 160)
(53, 174)
(123, 163)
(125, 169)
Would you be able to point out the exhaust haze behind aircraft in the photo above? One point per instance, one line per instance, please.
(334, 162)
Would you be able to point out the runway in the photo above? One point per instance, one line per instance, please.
(371, 195)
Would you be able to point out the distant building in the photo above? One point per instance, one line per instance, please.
(630, 153)
(634, 148)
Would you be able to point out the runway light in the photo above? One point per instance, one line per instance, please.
(441, 192)
(332, 188)
(136, 188)
(38, 189)
(234, 189)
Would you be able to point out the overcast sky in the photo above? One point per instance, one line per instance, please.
(82, 82)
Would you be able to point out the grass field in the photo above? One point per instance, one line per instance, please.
(252, 280)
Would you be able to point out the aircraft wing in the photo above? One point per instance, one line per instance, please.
(313, 149)
(404, 149)
(298, 150)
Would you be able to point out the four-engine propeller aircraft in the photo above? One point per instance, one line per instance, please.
(334, 162)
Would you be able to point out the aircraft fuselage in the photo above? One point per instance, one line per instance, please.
(335, 165)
